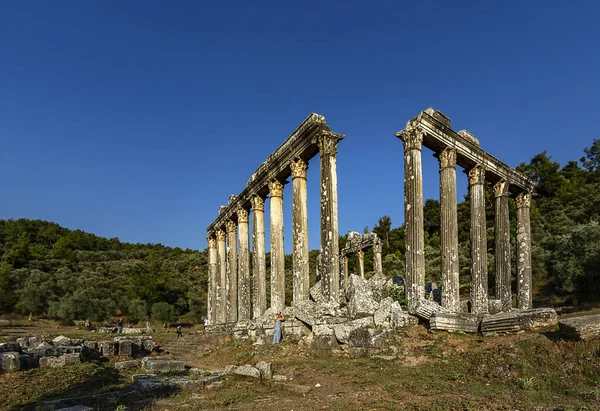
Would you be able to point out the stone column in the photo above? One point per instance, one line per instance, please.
(300, 230)
(345, 268)
(479, 280)
(221, 278)
(449, 231)
(259, 295)
(377, 263)
(277, 251)
(231, 284)
(524, 300)
(361, 263)
(502, 244)
(412, 138)
(243, 266)
(212, 280)
(330, 267)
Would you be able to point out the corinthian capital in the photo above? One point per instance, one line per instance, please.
(242, 215)
(212, 241)
(524, 200)
(221, 235)
(377, 248)
(501, 189)
(299, 168)
(411, 136)
(327, 142)
(275, 188)
(361, 254)
(258, 204)
(231, 226)
(448, 158)
(476, 175)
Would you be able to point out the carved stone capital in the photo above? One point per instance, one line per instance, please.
(258, 203)
(327, 142)
(524, 200)
(448, 158)
(501, 189)
(231, 226)
(361, 255)
(299, 168)
(221, 235)
(345, 259)
(212, 242)
(275, 189)
(242, 215)
(476, 175)
(411, 136)
(377, 248)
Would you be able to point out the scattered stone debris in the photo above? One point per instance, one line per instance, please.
(581, 328)
(537, 319)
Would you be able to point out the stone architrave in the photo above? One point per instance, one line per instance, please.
(524, 300)
(412, 139)
(300, 231)
(259, 284)
(377, 263)
(449, 231)
(277, 250)
(231, 284)
(502, 244)
(479, 280)
(221, 278)
(361, 263)
(330, 268)
(212, 280)
(243, 266)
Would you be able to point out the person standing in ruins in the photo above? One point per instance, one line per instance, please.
(277, 328)
(120, 325)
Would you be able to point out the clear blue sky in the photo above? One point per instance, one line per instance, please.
(138, 119)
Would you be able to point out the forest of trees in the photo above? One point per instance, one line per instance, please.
(48, 270)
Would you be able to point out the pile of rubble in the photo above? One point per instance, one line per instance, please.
(33, 352)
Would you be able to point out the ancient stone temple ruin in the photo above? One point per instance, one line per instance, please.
(347, 309)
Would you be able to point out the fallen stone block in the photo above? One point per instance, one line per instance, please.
(159, 364)
(316, 292)
(361, 302)
(383, 315)
(248, 371)
(125, 365)
(424, 309)
(61, 361)
(10, 347)
(581, 328)
(455, 322)
(402, 319)
(61, 340)
(495, 306)
(108, 347)
(266, 370)
(10, 361)
(92, 345)
(537, 319)
(377, 283)
(342, 331)
(368, 337)
(297, 388)
(125, 347)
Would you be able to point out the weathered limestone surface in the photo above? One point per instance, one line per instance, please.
(360, 297)
(126, 365)
(10, 361)
(243, 266)
(344, 261)
(412, 138)
(277, 250)
(259, 284)
(479, 280)
(455, 322)
(212, 279)
(524, 299)
(581, 328)
(221, 278)
(231, 284)
(266, 370)
(162, 364)
(330, 269)
(495, 306)
(361, 263)
(246, 370)
(425, 309)
(343, 331)
(300, 230)
(538, 319)
(377, 263)
(449, 230)
(502, 242)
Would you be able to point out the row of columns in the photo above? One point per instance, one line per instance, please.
(415, 255)
(377, 262)
(234, 295)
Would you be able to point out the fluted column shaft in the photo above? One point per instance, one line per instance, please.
(449, 231)
(524, 297)
(277, 250)
(259, 295)
(377, 263)
(231, 284)
(221, 278)
(413, 216)
(361, 263)
(212, 280)
(344, 261)
(243, 266)
(300, 231)
(479, 276)
(330, 267)
(502, 245)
